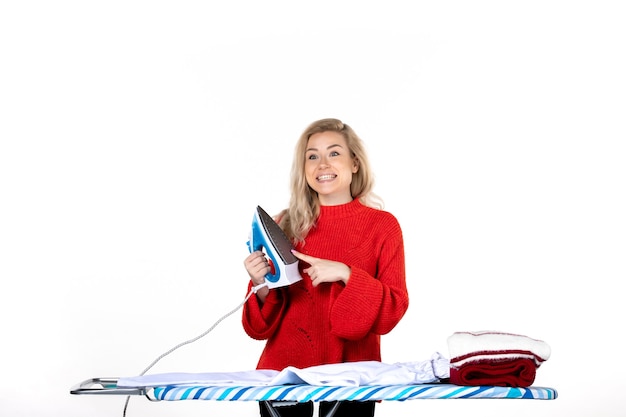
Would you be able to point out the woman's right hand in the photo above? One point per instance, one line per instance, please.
(258, 266)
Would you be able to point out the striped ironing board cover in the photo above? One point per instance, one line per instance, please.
(303, 393)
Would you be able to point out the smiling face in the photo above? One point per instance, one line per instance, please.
(329, 166)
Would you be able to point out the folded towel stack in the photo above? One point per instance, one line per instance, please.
(495, 358)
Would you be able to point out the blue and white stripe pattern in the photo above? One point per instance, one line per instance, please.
(303, 393)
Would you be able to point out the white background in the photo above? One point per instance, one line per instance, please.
(139, 136)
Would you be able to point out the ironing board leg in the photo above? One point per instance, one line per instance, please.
(332, 411)
(271, 409)
(274, 413)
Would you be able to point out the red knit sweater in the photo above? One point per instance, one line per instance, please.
(332, 323)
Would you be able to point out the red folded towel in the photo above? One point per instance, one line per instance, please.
(510, 373)
(495, 358)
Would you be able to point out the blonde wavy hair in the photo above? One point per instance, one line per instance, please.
(304, 205)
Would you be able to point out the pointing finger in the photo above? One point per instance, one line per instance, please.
(302, 256)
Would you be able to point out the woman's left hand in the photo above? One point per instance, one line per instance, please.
(323, 270)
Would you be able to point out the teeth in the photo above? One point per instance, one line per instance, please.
(325, 177)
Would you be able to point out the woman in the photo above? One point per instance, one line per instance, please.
(352, 263)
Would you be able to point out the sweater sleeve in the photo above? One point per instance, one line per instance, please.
(260, 322)
(371, 304)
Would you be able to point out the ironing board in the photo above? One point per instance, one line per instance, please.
(273, 396)
(336, 382)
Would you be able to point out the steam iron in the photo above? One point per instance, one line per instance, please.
(267, 236)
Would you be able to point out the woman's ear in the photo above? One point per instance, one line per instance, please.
(355, 165)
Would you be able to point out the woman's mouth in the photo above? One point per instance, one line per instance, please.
(326, 177)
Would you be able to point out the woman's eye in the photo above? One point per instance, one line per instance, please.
(334, 153)
(311, 157)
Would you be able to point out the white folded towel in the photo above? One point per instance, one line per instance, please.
(466, 347)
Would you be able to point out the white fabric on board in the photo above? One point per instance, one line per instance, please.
(340, 374)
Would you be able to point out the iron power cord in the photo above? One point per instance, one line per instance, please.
(252, 291)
